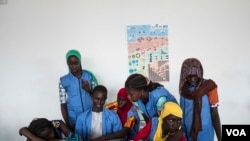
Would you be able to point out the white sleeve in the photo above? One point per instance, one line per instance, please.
(62, 93)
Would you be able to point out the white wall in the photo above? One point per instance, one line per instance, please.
(35, 35)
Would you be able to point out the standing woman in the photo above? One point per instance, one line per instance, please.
(199, 101)
(75, 89)
(148, 96)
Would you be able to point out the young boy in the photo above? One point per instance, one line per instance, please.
(97, 121)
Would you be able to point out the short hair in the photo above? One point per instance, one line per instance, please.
(38, 125)
(100, 88)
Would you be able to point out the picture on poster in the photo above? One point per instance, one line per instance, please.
(148, 51)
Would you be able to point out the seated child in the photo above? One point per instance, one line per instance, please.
(167, 127)
(99, 120)
(41, 129)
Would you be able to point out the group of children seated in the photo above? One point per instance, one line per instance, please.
(117, 120)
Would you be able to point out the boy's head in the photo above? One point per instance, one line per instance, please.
(42, 128)
(99, 97)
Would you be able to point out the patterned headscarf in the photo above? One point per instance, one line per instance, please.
(169, 108)
(190, 66)
(123, 112)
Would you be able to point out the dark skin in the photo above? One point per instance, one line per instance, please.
(194, 80)
(135, 95)
(121, 134)
(171, 127)
(74, 65)
(99, 99)
(48, 134)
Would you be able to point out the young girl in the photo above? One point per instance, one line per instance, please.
(41, 129)
(167, 127)
(148, 96)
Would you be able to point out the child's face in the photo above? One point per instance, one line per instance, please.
(192, 79)
(48, 133)
(74, 64)
(171, 123)
(99, 99)
(121, 102)
(134, 95)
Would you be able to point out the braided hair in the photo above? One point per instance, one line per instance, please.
(137, 81)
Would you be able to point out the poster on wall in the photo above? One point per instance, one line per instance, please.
(148, 51)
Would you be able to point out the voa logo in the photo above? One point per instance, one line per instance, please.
(236, 132)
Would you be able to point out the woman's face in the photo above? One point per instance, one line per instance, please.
(171, 123)
(121, 102)
(134, 95)
(74, 64)
(48, 133)
(192, 79)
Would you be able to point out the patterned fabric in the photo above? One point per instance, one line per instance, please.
(196, 101)
(130, 122)
(190, 66)
(112, 105)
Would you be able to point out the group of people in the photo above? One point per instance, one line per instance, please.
(85, 112)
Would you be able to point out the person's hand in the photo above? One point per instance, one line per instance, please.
(102, 138)
(85, 86)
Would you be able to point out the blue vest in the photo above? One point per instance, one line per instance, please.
(207, 133)
(78, 100)
(110, 123)
(150, 109)
(133, 112)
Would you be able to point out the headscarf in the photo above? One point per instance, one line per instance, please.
(192, 66)
(168, 108)
(75, 53)
(122, 112)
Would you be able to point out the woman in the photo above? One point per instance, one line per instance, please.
(148, 96)
(167, 127)
(199, 101)
(75, 89)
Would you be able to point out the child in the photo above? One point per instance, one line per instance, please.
(41, 129)
(128, 116)
(97, 121)
(167, 127)
(199, 102)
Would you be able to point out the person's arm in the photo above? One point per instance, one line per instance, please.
(63, 104)
(64, 112)
(214, 100)
(62, 126)
(216, 122)
(128, 126)
(144, 132)
(24, 131)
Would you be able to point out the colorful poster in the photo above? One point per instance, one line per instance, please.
(148, 51)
